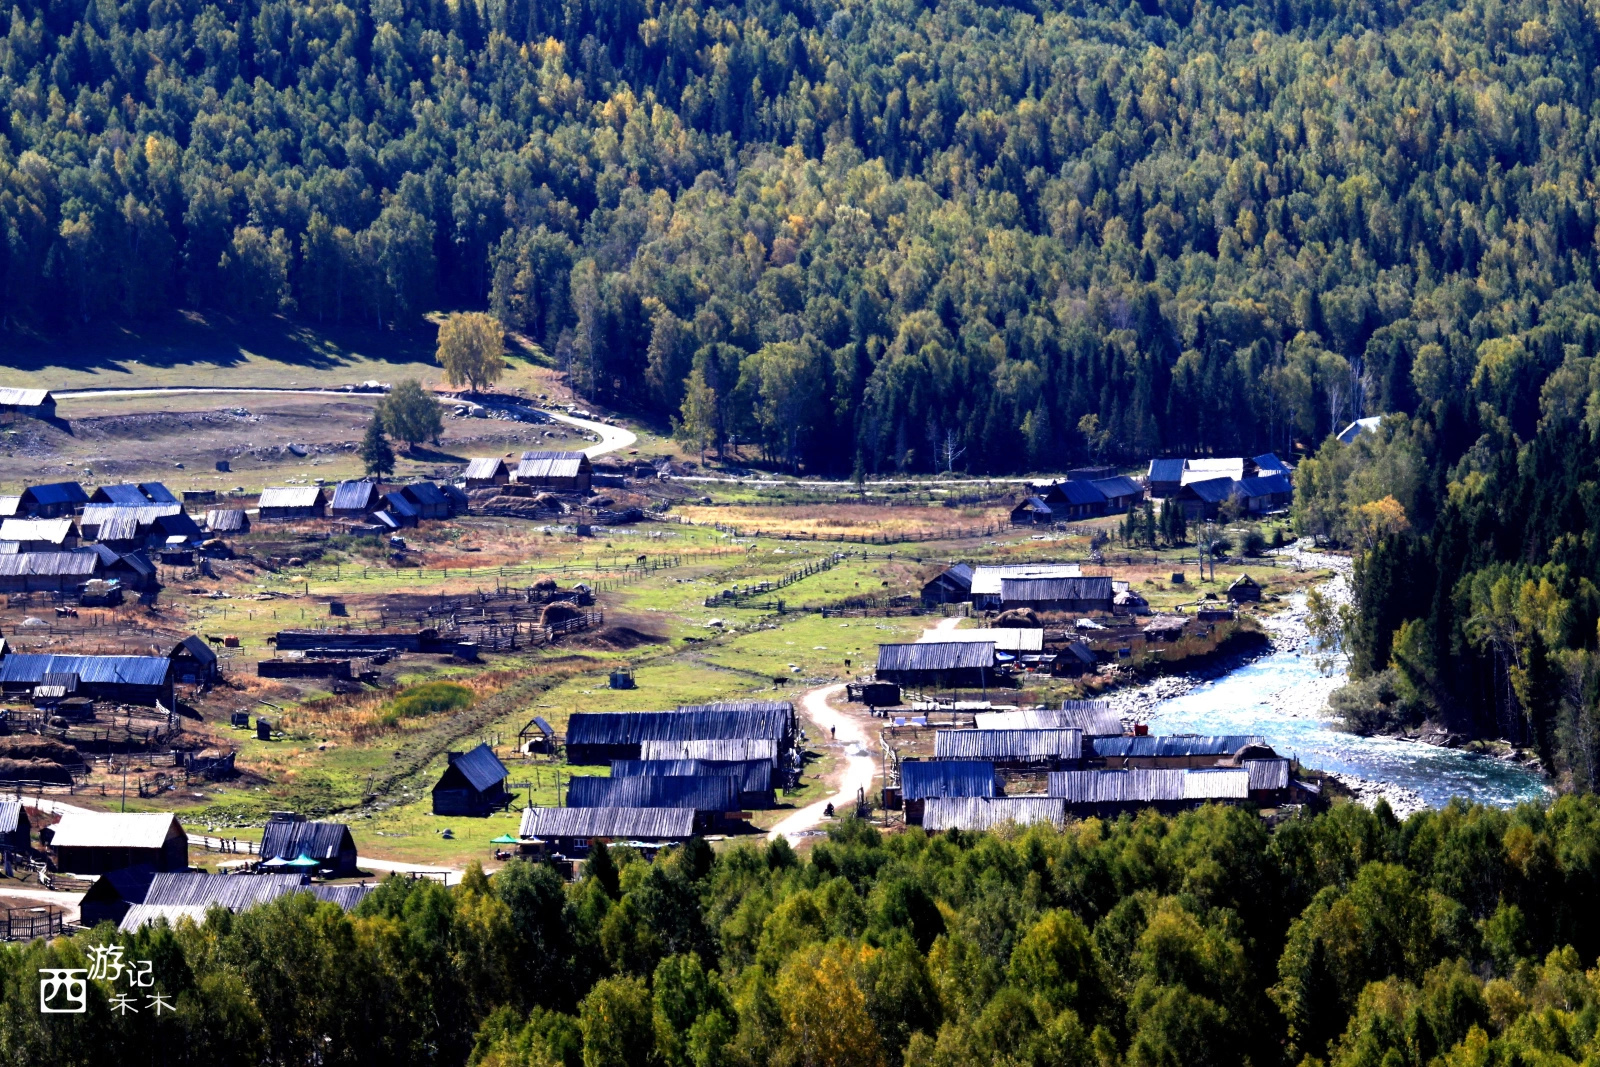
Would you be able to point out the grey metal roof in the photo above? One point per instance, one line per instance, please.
(10, 813)
(1264, 485)
(426, 494)
(936, 656)
(536, 469)
(1140, 786)
(126, 493)
(1165, 470)
(633, 727)
(1217, 784)
(24, 398)
(354, 496)
(753, 776)
(346, 896)
(1034, 503)
(1268, 463)
(548, 453)
(986, 580)
(157, 493)
(920, 779)
(110, 829)
(650, 824)
(1005, 639)
(51, 531)
(401, 505)
(1078, 494)
(187, 895)
(1174, 745)
(784, 707)
(48, 564)
(197, 647)
(1212, 490)
(1118, 486)
(1008, 744)
(544, 726)
(985, 813)
(717, 749)
(485, 467)
(319, 840)
(1100, 722)
(1034, 590)
(116, 528)
(30, 668)
(291, 496)
(481, 766)
(700, 792)
(1201, 468)
(1264, 773)
(9, 505)
(226, 520)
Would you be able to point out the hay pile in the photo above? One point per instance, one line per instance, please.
(31, 748)
(1017, 618)
(560, 611)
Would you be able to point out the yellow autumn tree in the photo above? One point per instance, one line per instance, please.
(472, 349)
(825, 1010)
(1380, 519)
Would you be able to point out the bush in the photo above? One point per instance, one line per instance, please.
(1375, 705)
(429, 698)
(1254, 543)
(1221, 546)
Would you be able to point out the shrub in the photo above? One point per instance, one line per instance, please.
(429, 698)
(1254, 542)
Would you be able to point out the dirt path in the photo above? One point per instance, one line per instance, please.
(859, 766)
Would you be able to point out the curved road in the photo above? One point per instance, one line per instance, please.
(859, 766)
(612, 438)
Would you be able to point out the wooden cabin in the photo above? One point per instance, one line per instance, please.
(474, 783)
(97, 842)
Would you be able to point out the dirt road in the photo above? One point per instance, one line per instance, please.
(859, 765)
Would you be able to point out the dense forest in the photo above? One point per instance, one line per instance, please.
(1458, 938)
(871, 235)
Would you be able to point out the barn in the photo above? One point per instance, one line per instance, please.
(711, 797)
(113, 893)
(922, 779)
(355, 499)
(51, 501)
(93, 842)
(985, 587)
(555, 470)
(1264, 493)
(951, 586)
(1244, 588)
(937, 664)
(600, 737)
(571, 831)
(1112, 792)
(428, 499)
(289, 503)
(329, 843)
(1078, 595)
(194, 661)
(1121, 494)
(119, 679)
(474, 783)
(14, 827)
(1204, 499)
(191, 895)
(1095, 720)
(34, 403)
(486, 472)
(1075, 500)
(227, 521)
(130, 494)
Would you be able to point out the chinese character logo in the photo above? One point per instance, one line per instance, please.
(63, 991)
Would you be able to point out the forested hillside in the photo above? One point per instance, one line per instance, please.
(1202, 940)
(861, 234)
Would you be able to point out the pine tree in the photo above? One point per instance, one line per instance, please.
(376, 455)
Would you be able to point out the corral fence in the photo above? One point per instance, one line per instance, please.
(25, 924)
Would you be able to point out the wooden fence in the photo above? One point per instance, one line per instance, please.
(25, 924)
(739, 594)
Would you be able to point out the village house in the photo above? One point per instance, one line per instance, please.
(290, 503)
(1032, 511)
(984, 588)
(474, 783)
(288, 837)
(571, 471)
(33, 403)
(117, 679)
(1244, 589)
(194, 662)
(1122, 494)
(1203, 500)
(571, 831)
(51, 501)
(47, 572)
(1056, 594)
(94, 842)
(1264, 493)
(40, 535)
(1075, 500)
(14, 827)
(938, 664)
(487, 472)
(950, 586)
(355, 499)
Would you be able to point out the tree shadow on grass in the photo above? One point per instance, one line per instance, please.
(212, 342)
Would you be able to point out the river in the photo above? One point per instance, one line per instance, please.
(1282, 696)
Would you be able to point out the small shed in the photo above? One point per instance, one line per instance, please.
(14, 827)
(329, 843)
(227, 521)
(487, 471)
(555, 470)
(537, 737)
(355, 499)
(95, 842)
(1244, 588)
(194, 661)
(1032, 511)
(1164, 628)
(51, 501)
(288, 503)
(474, 783)
(951, 586)
(34, 403)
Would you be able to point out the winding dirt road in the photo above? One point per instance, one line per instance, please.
(858, 770)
